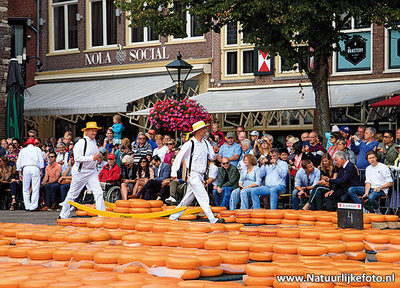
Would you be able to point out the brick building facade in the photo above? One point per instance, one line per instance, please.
(5, 42)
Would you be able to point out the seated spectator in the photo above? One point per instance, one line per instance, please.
(315, 151)
(379, 137)
(66, 177)
(174, 188)
(108, 141)
(161, 149)
(150, 138)
(12, 155)
(141, 149)
(153, 186)
(171, 151)
(110, 172)
(62, 154)
(275, 172)
(101, 162)
(361, 147)
(6, 173)
(228, 178)
(345, 132)
(123, 149)
(230, 149)
(396, 164)
(378, 180)
(254, 137)
(3, 147)
(347, 176)
(386, 150)
(317, 193)
(211, 182)
(246, 149)
(294, 159)
(290, 140)
(216, 132)
(50, 184)
(335, 129)
(262, 148)
(166, 139)
(241, 136)
(143, 174)
(249, 179)
(128, 176)
(283, 155)
(342, 146)
(334, 138)
(305, 180)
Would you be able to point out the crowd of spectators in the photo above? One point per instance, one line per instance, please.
(249, 166)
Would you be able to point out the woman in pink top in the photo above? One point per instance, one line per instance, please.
(171, 151)
(335, 136)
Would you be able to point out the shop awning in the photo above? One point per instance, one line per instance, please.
(391, 102)
(94, 96)
(288, 98)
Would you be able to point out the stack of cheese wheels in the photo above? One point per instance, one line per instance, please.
(354, 245)
(258, 216)
(260, 274)
(228, 215)
(274, 217)
(137, 206)
(243, 216)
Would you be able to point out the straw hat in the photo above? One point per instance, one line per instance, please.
(91, 125)
(198, 125)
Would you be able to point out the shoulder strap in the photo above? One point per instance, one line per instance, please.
(191, 157)
(84, 152)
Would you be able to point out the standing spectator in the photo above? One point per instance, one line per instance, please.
(347, 176)
(161, 149)
(386, 150)
(345, 131)
(398, 136)
(290, 140)
(101, 162)
(123, 149)
(183, 140)
(349, 154)
(241, 137)
(361, 132)
(306, 179)
(29, 165)
(315, 150)
(110, 172)
(12, 155)
(170, 152)
(253, 137)
(108, 142)
(62, 155)
(250, 178)
(66, 177)
(230, 149)
(335, 136)
(275, 172)
(228, 178)
(378, 180)
(379, 137)
(216, 131)
(284, 155)
(295, 158)
(238, 130)
(144, 173)
(128, 176)
(263, 147)
(32, 134)
(335, 129)
(117, 128)
(246, 149)
(396, 164)
(6, 173)
(141, 148)
(305, 136)
(153, 186)
(361, 148)
(150, 135)
(50, 183)
(166, 139)
(3, 147)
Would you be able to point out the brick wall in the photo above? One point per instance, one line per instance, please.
(4, 58)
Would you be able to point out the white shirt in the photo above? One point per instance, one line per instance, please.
(378, 176)
(30, 156)
(202, 151)
(62, 157)
(87, 160)
(160, 152)
(213, 173)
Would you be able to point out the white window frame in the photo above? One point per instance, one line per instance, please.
(66, 39)
(145, 38)
(387, 53)
(188, 30)
(237, 37)
(237, 63)
(104, 12)
(351, 31)
(242, 62)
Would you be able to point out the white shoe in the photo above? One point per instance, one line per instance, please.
(72, 209)
(170, 200)
(61, 204)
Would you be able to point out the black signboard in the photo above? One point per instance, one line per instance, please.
(356, 50)
(350, 216)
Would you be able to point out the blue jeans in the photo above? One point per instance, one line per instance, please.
(244, 195)
(223, 198)
(373, 197)
(272, 191)
(50, 191)
(64, 191)
(296, 199)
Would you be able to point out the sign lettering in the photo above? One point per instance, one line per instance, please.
(356, 50)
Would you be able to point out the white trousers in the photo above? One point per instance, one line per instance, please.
(196, 190)
(31, 174)
(79, 181)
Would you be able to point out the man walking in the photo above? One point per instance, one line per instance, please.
(29, 164)
(196, 152)
(84, 171)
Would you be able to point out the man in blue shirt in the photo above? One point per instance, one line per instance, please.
(305, 180)
(230, 149)
(361, 148)
(275, 174)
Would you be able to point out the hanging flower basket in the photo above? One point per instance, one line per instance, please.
(173, 115)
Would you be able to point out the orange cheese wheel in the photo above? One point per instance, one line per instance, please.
(84, 254)
(193, 242)
(377, 218)
(40, 236)
(234, 268)
(35, 283)
(156, 209)
(118, 209)
(18, 252)
(335, 247)
(24, 234)
(360, 255)
(352, 237)
(156, 203)
(81, 213)
(258, 214)
(140, 210)
(233, 227)
(394, 239)
(227, 213)
(324, 218)
(267, 231)
(179, 262)
(377, 238)
(285, 248)
(210, 260)
(151, 241)
(261, 256)
(78, 237)
(187, 275)
(261, 246)
(309, 234)
(217, 209)
(105, 257)
(323, 224)
(170, 241)
(99, 235)
(62, 254)
(391, 218)
(243, 213)
(291, 215)
(273, 221)
(388, 256)
(257, 221)
(153, 260)
(274, 214)
(238, 245)
(139, 203)
(231, 219)
(131, 238)
(307, 217)
(260, 269)
(258, 281)
(41, 253)
(216, 244)
(253, 231)
(331, 236)
(211, 271)
(354, 246)
(243, 220)
(312, 250)
(128, 258)
(235, 257)
(288, 233)
(146, 227)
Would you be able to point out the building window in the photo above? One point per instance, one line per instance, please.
(103, 23)
(238, 56)
(392, 49)
(18, 45)
(65, 26)
(141, 35)
(192, 25)
(358, 49)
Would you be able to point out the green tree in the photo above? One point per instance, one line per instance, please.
(278, 26)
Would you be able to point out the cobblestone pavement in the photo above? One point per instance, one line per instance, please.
(22, 216)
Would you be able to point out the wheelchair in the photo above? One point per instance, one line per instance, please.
(112, 191)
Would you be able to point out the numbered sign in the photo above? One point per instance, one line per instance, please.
(350, 215)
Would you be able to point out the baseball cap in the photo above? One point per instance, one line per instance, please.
(230, 135)
(152, 132)
(102, 150)
(335, 128)
(345, 129)
(111, 156)
(255, 133)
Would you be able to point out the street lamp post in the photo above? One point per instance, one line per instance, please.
(179, 70)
